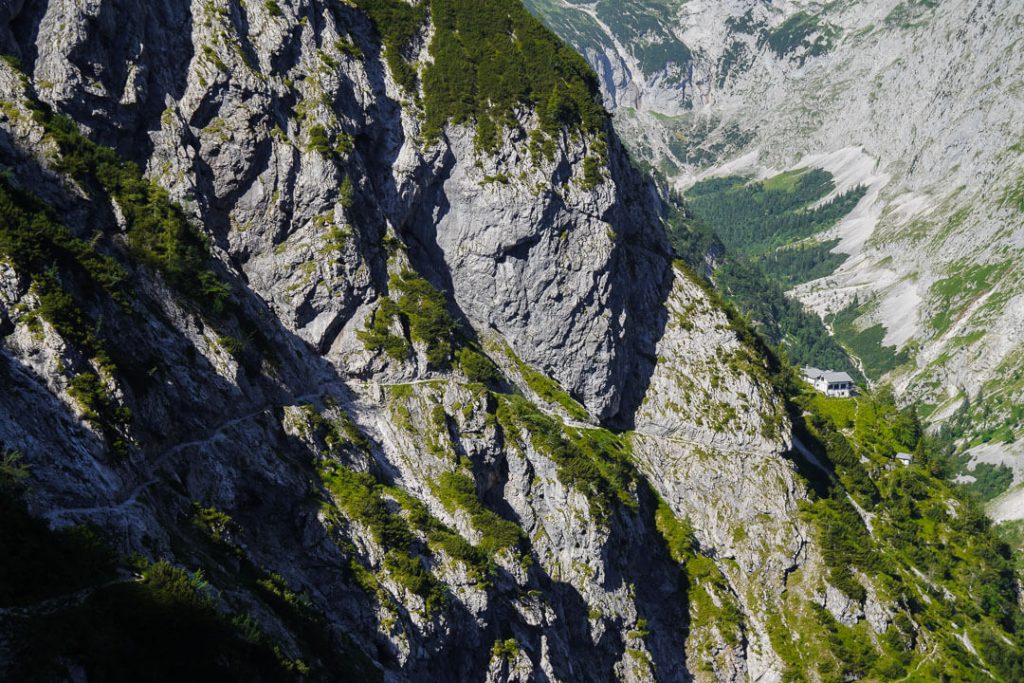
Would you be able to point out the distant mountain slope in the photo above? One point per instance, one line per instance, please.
(755, 240)
(921, 102)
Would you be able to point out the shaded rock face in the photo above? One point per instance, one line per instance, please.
(226, 107)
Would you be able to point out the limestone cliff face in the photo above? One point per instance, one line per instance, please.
(573, 278)
(278, 129)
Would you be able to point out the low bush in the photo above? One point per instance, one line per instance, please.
(457, 490)
(159, 234)
(477, 367)
(426, 311)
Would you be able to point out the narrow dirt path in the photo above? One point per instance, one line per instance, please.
(58, 602)
(131, 498)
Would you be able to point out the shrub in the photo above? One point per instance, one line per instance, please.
(273, 9)
(347, 192)
(12, 472)
(424, 311)
(102, 410)
(594, 462)
(592, 175)
(477, 367)
(458, 490)
(408, 570)
(159, 234)
(505, 649)
(213, 522)
(377, 334)
(35, 241)
(59, 308)
(318, 141)
(429, 321)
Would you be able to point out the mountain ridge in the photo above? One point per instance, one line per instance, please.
(342, 393)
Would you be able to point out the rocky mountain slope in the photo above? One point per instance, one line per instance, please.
(919, 101)
(322, 360)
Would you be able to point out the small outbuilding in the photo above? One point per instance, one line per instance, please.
(830, 383)
(904, 458)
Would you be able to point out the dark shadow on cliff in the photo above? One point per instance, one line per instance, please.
(635, 559)
(645, 274)
(140, 53)
(185, 411)
(33, 418)
(22, 31)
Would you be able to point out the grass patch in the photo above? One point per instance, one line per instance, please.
(867, 344)
(441, 538)
(594, 462)
(362, 498)
(457, 490)
(545, 388)
(159, 234)
(964, 285)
